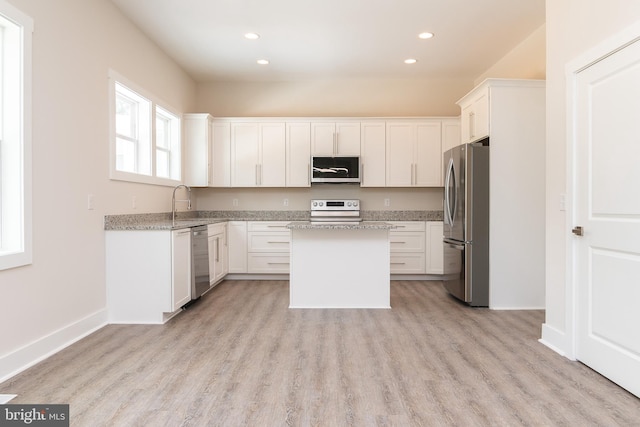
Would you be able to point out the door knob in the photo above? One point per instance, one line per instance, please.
(577, 231)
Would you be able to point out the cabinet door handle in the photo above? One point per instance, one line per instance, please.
(217, 249)
(257, 175)
(472, 124)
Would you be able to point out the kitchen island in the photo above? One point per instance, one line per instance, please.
(339, 265)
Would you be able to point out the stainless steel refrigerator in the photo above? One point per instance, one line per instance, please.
(466, 223)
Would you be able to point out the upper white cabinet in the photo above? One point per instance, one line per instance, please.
(372, 154)
(221, 155)
(335, 138)
(207, 151)
(475, 115)
(197, 143)
(298, 151)
(413, 154)
(258, 154)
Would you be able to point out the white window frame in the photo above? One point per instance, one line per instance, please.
(157, 107)
(16, 247)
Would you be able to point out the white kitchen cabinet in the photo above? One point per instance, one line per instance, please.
(181, 271)
(148, 274)
(218, 253)
(475, 115)
(408, 242)
(207, 151)
(237, 246)
(197, 145)
(335, 138)
(413, 154)
(435, 248)
(268, 247)
(220, 154)
(258, 154)
(373, 154)
(512, 113)
(298, 151)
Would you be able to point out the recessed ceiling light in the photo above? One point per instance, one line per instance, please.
(425, 36)
(410, 61)
(263, 61)
(252, 36)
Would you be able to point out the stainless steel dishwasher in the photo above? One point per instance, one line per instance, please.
(199, 261)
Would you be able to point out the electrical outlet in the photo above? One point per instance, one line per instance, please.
(91, 205)
(235, 202)
(387, 202)
(134, 202)
(285, 202)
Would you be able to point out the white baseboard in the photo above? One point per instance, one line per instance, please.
(554, 339)
(17, 361)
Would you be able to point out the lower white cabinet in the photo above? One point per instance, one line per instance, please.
(218, 253)
(148, 274)
(268, 245)
(408, 243)
(435, 248)
(237, 246)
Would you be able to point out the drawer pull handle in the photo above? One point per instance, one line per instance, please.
(398, 263)
(399, 242)
(274, 241)
(278, 263)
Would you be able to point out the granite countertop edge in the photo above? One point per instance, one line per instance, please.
(163, 221)
(364, 225)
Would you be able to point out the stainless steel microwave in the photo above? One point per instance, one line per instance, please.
(340, 169)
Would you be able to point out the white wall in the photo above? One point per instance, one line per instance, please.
(298, 198)
(573, 26)
(361, 97)
(525, 61)
(62, 294)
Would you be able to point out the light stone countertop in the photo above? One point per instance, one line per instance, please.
(162, 221)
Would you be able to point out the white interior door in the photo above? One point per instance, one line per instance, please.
(607, 206)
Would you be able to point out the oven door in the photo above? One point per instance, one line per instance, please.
(344, 169)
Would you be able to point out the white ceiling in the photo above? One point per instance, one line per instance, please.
(326, 39)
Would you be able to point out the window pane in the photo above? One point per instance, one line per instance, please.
(126, 116)
(162, 163)
(125, 155)
(162, 132)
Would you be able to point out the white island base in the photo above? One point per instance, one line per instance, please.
(340, 266)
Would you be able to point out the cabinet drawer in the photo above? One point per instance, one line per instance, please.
(267, 226)
(269, 242)
(408, 226)
(268, 263)
(408, 264)
(213, 229)
(407, 242)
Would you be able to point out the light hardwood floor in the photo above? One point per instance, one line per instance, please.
(240, 357)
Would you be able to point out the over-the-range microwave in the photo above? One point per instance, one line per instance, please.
(339, 169)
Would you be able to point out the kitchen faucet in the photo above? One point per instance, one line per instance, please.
(173, 202)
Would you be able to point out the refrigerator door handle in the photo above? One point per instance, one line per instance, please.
(447, 200)
(454, 244)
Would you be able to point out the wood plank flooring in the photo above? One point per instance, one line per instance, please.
(240, 357)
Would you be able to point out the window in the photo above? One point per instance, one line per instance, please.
(146, 143)
(15, 137)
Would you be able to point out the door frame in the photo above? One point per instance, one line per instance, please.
(592, 56)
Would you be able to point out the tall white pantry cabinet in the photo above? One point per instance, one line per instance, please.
(512, 114)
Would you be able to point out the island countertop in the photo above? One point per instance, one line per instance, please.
(162, 221)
